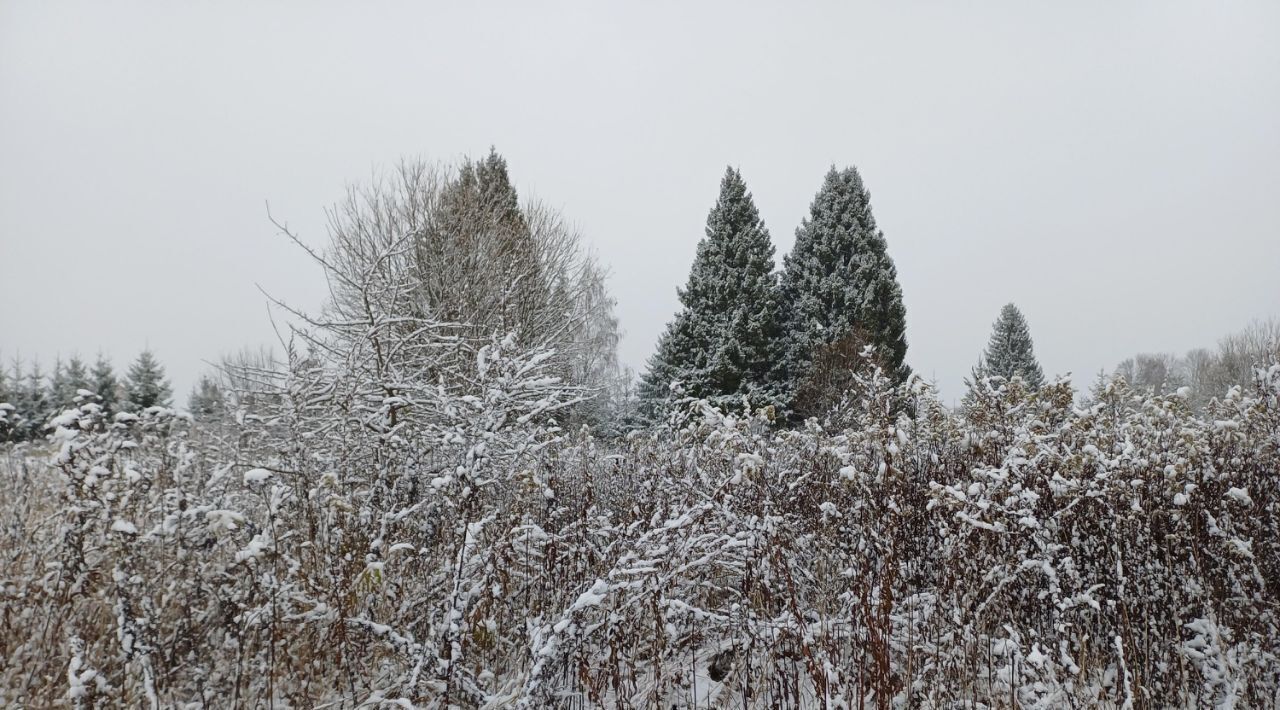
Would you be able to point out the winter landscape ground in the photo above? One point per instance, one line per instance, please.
(442, 492)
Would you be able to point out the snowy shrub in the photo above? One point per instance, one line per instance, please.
(372, 536)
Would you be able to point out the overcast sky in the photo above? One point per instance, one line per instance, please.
(1111, 167)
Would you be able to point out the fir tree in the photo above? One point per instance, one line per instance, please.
(103, 382)
(145, 385)
(57, 393)
(479, 239)
(838, 278)
(77, 378)
(723, 343)
(1009, 353)
(31, 402)
(489, 182)
(65, 383)
(206, 400)
(7, 410)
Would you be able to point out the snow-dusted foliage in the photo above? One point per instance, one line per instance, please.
(1010, 352)
(146, 385)
(838, 279)
(471, 253)
(380, 534)
(1206, 372)
(725, 341)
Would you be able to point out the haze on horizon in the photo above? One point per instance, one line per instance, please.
(1112, 168)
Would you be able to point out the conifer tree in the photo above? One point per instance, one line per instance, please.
(206, 400)
(479, 240)
(103, 382)
(838, 278)
(7, 410)
(77, 378)
(58, 391)
(724, 342)
(32, 401)
(65, 383)
(145, 385)
(1009, 352)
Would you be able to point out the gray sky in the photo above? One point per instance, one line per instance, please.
(1111, 167)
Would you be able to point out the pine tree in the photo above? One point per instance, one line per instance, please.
(146, 385)
(1009, 353)
(838, 278)
(103, 382)
(723, 343)
(206, 400)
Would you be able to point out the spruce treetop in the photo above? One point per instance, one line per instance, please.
(838, 278)
(206, 400)
(1010, 351)
(146, 385)
(723, 343)
(103, 382)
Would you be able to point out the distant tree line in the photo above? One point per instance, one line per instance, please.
(1200, 376)
(1205, 373)
(452, 245)
(30, 397)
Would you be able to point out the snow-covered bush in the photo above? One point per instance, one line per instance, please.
(372, 535)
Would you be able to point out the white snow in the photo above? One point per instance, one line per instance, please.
(256, 475)
(1239, 495)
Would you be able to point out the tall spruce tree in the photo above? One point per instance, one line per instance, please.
(838, 278)
(145, 385)
(103, 382)
(1009, 352)
(725, 340)
(723, 343)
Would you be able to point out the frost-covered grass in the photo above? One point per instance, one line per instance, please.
(365, 538)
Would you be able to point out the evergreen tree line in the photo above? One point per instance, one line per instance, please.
(30, 397)
(746, 331)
